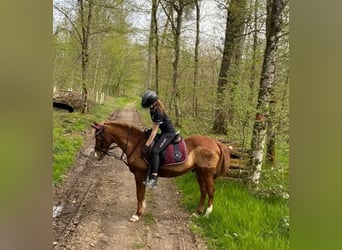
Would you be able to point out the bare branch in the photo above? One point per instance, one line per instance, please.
(284, 34)
(78, 37)
(69, 31)
(103, 31)
(168, 16)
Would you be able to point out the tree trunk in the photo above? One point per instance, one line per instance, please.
(234, 76)
(151, 44)
(96, 70)
(194, 100)
(273, 28)
(272, 129)
(177, 33)
(254, 54)
(85, 48)
(156, 37)
(271, 138)
(234, 29)
(150, 52)
(283, 104)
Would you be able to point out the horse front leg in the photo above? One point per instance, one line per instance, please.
(140, 192)
(203, 191)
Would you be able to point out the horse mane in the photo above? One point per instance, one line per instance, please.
(134, 129)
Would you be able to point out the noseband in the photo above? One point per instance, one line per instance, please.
(100, 134)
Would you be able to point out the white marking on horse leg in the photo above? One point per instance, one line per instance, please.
(134, 218)
(96, 155)
(208, 211)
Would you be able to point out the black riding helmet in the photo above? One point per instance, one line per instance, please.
(148, 98)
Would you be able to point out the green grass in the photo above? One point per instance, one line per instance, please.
(239, 220)
(149, 219)
(69, 133)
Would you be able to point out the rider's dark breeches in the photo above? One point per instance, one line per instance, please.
(157, 148)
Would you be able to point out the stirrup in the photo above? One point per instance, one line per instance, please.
(150, 182)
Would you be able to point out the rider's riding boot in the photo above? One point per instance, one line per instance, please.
(151, 182)
(145, 181)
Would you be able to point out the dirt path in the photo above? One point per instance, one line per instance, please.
(98, 198)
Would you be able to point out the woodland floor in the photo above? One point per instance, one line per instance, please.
(98, 198)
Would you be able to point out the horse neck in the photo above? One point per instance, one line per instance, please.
(125, 136)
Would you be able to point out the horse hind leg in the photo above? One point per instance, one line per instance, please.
(210, 186)
(203, 191)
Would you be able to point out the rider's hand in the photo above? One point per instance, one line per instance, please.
(145, 151)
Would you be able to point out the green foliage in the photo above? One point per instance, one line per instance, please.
(113, 57)
(149, 219)
(67, 64)
(274, 181)
(191, 126)
(121, 59)
(239, 220)
(65, 144)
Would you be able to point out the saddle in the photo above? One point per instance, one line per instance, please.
(175, 153)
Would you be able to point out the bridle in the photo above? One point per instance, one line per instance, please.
(100, 133)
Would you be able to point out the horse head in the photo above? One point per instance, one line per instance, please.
(101, 141)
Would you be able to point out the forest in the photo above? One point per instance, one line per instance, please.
(220, 66)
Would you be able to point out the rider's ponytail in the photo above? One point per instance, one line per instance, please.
(160, 105)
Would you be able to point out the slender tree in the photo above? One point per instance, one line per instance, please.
(86, 18)
(197, 41)
(253, 77)
(178, 7)
(235, 22)
(152, 44)
(156, 39)
(278, 105)
(270, 136)
(273, 29)
(82, 35)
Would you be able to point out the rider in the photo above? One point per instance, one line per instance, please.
(160, 120)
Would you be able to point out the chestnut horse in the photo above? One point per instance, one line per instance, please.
(208, 157)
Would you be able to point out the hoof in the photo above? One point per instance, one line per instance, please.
(195, 215)
(134, 218)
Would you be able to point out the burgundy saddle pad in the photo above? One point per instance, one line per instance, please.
(175, 153)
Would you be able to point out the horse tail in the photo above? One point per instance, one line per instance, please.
(224, 160)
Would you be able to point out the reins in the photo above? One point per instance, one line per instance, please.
(123, 150)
